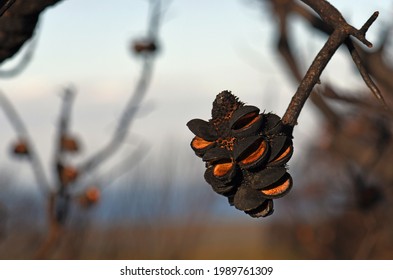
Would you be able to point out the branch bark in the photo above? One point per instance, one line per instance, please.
(342, 31)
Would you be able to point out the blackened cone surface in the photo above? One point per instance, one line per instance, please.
(245, 154)
(247, 199)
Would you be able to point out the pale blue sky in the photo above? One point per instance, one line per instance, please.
(208, 46)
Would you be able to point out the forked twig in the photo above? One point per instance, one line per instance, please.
(134, 102)
(342, 31)
(354, 51)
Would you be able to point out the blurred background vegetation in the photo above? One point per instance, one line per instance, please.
(153, 201)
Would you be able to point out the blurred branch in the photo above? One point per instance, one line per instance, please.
(22, 133)
(134, 102)
(124, 121)
(116, 172)
(376, 65)
(23, 63)
(63, 127)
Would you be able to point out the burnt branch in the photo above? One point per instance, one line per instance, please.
(23, 63)
(134, 102)
(18, 24)
(363, 60)
(342, 31)
(62, 135)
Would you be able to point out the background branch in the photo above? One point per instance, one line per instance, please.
(134, 102)
(341, 32)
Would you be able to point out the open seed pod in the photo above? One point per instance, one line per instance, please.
(245, 154)
(205, 136)
(264, 210)
(266, 177)
(283, 156)
(218, 185)
(201, 146)
(68, 174)
(223, 167)
(246, 121)
(251, 152)
(20, 148)
(202, 129)
(280, 188)
(216, 154)
(272, 124)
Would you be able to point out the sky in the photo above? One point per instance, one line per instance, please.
(206, 47)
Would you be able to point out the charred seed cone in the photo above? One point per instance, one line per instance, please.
(245, 152)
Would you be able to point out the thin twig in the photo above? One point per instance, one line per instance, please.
(364, 73)
(133, 104)
(341, 32)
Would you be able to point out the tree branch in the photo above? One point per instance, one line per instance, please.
(342, 31)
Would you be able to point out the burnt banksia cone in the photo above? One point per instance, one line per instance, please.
(245, 153)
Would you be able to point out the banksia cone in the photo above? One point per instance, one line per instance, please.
(245, 153)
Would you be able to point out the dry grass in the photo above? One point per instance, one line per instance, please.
(226, 241)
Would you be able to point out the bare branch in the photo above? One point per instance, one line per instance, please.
(24, 61)
(18, 25)
(5, 5)
(363, 72)
(134, 102)
(22, 132)
(341, 32)
(312, 76)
